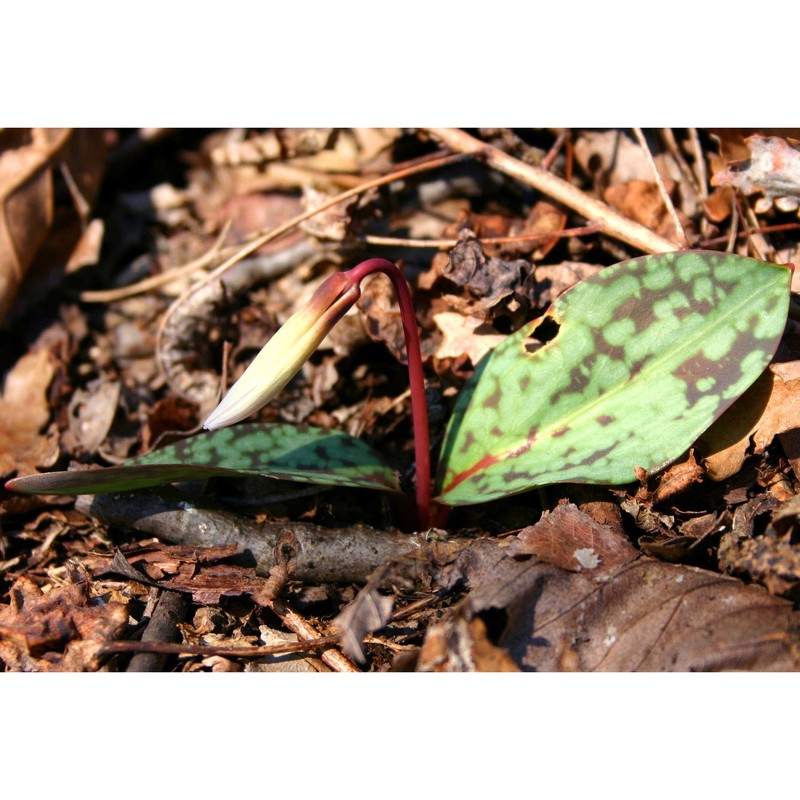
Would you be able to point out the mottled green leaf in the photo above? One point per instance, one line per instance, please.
(648, 354)
(313, 455)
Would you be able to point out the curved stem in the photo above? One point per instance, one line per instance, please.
(419, 405)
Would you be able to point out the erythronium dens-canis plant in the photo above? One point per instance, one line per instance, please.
(647, 354)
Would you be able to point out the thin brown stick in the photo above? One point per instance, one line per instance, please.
(390, 241)
(699, 163)
(305, 632)
(174, 648)
(611, 222)
(786, 226)
(154, 281)
(661, 187)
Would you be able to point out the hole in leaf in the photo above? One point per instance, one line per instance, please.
(544, 332)
(496, 621)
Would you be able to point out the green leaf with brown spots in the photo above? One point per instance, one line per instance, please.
(648, 354)
(313, 455)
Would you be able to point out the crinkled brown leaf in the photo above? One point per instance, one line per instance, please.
(771, 558)
(24, 411)
(61, 631)
(381, 312)
(489, 280)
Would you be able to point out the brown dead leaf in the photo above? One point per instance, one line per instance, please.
(719, 204)
(676, 480)
(463, 647)
(643, 616)
(24, 411)
(26, 203)
(193, 570)
(34, 233)
(642, 201)
(543, 218)
(332, 224)
(769, 407)
(465, 336)
(570, 539)
(369, 612)
(771, 558)
(91, 412)
(489, 280)
(63, 630)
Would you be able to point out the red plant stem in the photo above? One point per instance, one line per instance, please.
(419, 405)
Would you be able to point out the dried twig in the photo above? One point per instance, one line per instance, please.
(154, 281)
(390, 241)
(170, 609)
(611, 222)
(662, 187)
(333, 555)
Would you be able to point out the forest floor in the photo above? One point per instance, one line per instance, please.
(140, 273)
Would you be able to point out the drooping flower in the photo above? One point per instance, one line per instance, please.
(286, 352)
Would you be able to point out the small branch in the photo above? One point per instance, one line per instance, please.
(662, 188)
(610, 221)
(305, 632)
(324, 555)
(169, 611)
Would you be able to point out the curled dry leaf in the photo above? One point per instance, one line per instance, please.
(26, 205)
(382, 320)
(24, 411)
(489, 280)
(28, 217)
